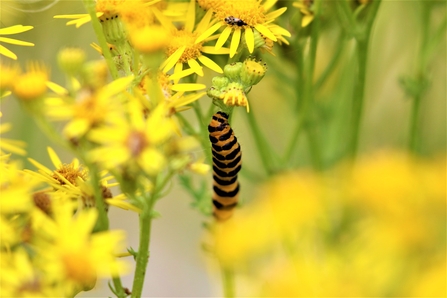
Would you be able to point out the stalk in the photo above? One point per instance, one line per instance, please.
(228, 282)
(142, 258)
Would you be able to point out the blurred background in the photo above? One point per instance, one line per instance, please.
(178, 267)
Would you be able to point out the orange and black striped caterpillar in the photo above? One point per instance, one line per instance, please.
(226, 164)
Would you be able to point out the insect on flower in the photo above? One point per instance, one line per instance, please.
(235, 21)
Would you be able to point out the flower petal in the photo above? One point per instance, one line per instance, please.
(249, 39)
(5, 52)
(172, 60)
(274, 14)
(235, 42)
(213, 50)
(188, 87)
(16, 42)
(54, 158)
(210, 64)
(208, 32)
(15, 29)
(196, 66)
(264, 30)
(223, 37)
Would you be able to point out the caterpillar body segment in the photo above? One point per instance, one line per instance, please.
(227, 162)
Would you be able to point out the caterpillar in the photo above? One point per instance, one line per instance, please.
(226, 165)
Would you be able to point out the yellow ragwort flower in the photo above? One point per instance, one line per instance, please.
(32, 84)
(9, 31)
(90, 109)
(136, 145)
(77, 256)
(183, 47)
(243, 16)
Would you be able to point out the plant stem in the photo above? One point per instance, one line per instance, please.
(103, 220)
(118, 287)
(142, 258)
(363, 39)
(90, 5)
(420, 77)
(261, 144)
(228, 282)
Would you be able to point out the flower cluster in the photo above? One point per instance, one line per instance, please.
(371, 230)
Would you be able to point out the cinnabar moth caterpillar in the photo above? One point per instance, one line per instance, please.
(226, 164)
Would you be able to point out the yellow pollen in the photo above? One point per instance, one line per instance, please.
(181, 38)
(250, 12)
(70, 173)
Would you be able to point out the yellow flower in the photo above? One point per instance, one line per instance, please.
(70, 179)
(243, 16)
(90, 109)
(75, 257)
(32, 84)
(19, 277)
(9, 31)
(9, 74)
(136, 145)
(305, 8)
(15, 188)
(374, 229)
(183, 47)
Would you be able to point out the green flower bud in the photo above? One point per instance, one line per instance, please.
(70, 60)
(233, 71)
(220, 82)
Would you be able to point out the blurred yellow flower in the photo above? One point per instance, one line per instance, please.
(32, 84)
(77, 256)
(374, 229)
(13, 146)
(9, 31)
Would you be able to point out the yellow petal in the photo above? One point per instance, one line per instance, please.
(5, 52)
(190, 16)
(58, 89)
(181, 74)
(54, 158)
(184, 100)
(210, 64)
(274, 14)
(223, 37)
(15, 29)
(269, 4)
(123, 205)
(208, 32)
(249, 39)
(188, 87)
(40, 166)
(235, 42)
(204, 22)
(173, 59)
(264, 30)
(306, 20)
(165, 22)
(280, 31)
(16, 42)
(213, 50)
(196, 67)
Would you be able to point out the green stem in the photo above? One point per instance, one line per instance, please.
(119, 290)
(90, 5)
(314, 147)
(306, 90)
(359, 93)
(228, 282)
(103, 221)
(331, 65)
(142, 258)
(261, 144)
(420, 77)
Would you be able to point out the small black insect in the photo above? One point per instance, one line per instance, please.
(235, 21)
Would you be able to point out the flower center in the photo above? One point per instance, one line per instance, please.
(183, 38)
(136, 143)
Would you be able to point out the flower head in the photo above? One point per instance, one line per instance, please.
(183, 47)
(243, 17)
(32, 84)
